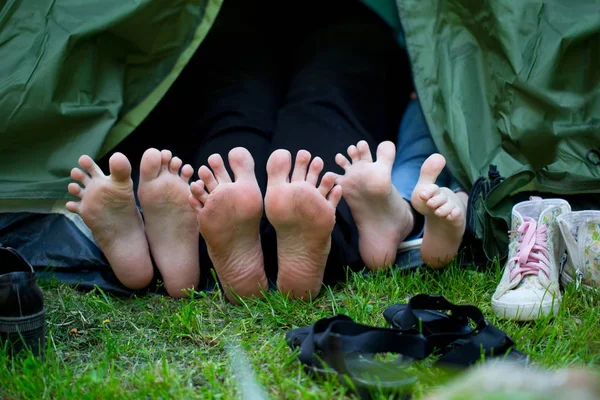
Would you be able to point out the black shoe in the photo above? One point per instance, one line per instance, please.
(22, 313)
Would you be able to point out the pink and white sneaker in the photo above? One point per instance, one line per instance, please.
(529, 287)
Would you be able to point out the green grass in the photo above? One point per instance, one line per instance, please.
(158, 347)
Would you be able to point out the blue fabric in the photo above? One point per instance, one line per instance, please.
(414, 144)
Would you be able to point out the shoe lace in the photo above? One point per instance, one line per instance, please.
(532, 252)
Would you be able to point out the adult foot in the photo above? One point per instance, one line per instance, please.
(229, 215)
(171, 225)
(303, 216)
(108, 208)
(444, 211)
(382, 216)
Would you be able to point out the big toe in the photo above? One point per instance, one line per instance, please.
(120, 168)
(241, 163)
(279, 166)
(386, 152)
(150, 165)
(431, 169)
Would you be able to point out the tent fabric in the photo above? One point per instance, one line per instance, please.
(78, 77)
(510, 84)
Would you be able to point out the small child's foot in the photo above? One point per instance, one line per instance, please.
(108, 208)
(171, 225)
(445, 214)
(303, 215)
(229, 216)
(382, 216)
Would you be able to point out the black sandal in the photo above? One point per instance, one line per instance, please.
(339, 346)
(461, 334)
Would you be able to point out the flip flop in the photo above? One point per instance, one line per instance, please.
(337, 346)
(460, 336)
(460, 333)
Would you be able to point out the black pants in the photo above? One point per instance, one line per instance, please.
(317, 75)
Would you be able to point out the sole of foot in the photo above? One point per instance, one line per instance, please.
(108, 208)
(382, 216)
(229, 214)
(303, 215)
(171, 225)
(444, 211)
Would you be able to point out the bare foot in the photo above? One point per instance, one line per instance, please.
(383, 217)
(303, 216)
(444, 211)
(108, 208)
(229, 218)
(171, 225)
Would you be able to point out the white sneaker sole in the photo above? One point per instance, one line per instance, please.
(409, 245)
(525, 312)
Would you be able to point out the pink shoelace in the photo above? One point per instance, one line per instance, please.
(532, 252)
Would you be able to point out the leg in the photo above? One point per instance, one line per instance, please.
(414, 144)
(240, 84)
(343, 90)
(108, 208)
(240, 80)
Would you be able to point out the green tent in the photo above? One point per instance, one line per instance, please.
(515, 84)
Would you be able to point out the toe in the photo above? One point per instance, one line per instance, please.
(198, 192)
(431, 169)
(445, 209)
(316, 166)
(455, 214)
(120, 168)
(90, 166)
(386, 153)
(186, 172)
(218, 166)
(326, 184)
(364, 151)
(278, 167)
(196, 205)
(174, 165)
(437, 201)
(242, 164)
(72, 206)
(165, 159)
(342, 161)
(336, 177)
(428, 191)
(301, 166)
(206, 175)
(75, 189)
(335, 195)
(80, 176)
(353, 153)
(150, 165)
